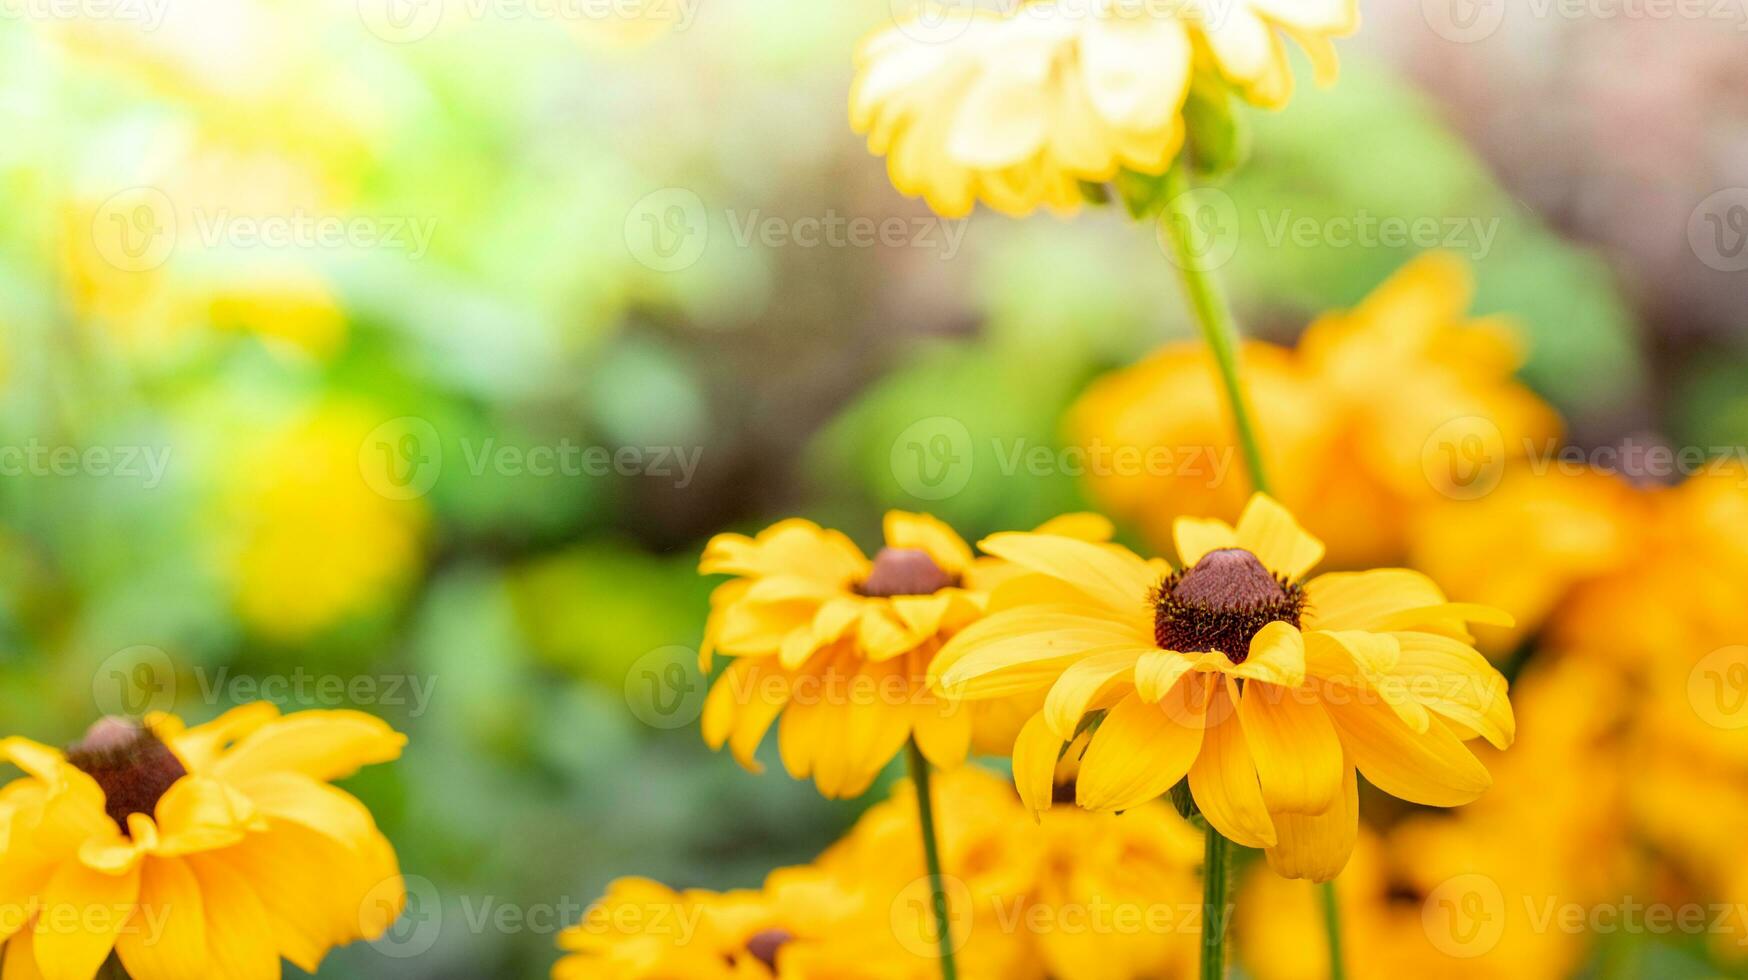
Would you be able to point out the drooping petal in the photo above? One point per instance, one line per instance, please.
(1454, 680)
(167, 940)
(1277, 656)
(1317, 847)
(1140, 751)
(1035, 754)
(82, 913)
(1432, 769)
(1298, 755)
(239, 933)
(1158, 671)
(1086, 683)
(1223, 779)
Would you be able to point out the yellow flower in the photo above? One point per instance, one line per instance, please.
(1380, 412)
(642, 930)
(1562, 530)
(1267, 691)
(211, 851)
(1016, 109)
(840, 646)
(315, 537)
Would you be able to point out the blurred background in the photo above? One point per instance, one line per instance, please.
(402, 354)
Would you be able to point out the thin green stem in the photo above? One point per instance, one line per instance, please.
(1213, 314)
(925, 809)
(1216, 903)
(1332, 928)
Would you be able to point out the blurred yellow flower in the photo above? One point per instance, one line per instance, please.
(1562, 530)
(1264, 689)
(1381, 411)
(212, 851)
(840, 647)
(1016, 109)
(311, 537)
(642, 930)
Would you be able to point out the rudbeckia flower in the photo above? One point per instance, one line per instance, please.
(840, 645)
(212, 851)
(1265, 689)
(1016, 109)
(643, 930)
(1382, 412)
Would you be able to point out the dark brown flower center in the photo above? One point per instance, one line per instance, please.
(764, 946)
(905, 571)
(1222, 603)
(132, 766)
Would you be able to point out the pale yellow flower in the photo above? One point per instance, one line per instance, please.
(1017, 109)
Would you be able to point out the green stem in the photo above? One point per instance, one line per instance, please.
(1216, 905)
(925, 809)
(1332, 928)
(1213, 315)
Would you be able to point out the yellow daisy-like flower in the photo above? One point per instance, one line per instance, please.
(642, 930)
(1403, 403)
(1265, 690)
(1016, 109)
(212, 851)
(840, 646)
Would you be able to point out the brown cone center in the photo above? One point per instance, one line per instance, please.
(905, 571)
(1221, 603)
(133, 767)
(764, 946)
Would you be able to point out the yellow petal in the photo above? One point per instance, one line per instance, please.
(1318, 847)
(1268, 531)
(83, 911)
(880, 635)
(199, 813)
(20, 954)
(1035, 755)
(1113, 576)
(1446, 615)
(239, 934)
(168, 937)
(1196, 536)
(1298, 755)
(1158, 672)
(1432, 769)
(1083, 526)
(1361, 600)
(926, 533)
(1223, 779)
(324, 745)
(1454, 680)
(197, 747)
(1140, 751)
(1277, 656)
(1083, 686)
(942, 730)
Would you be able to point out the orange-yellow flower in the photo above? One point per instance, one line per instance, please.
(839, 646)
(212, 851)
(1265, 690)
